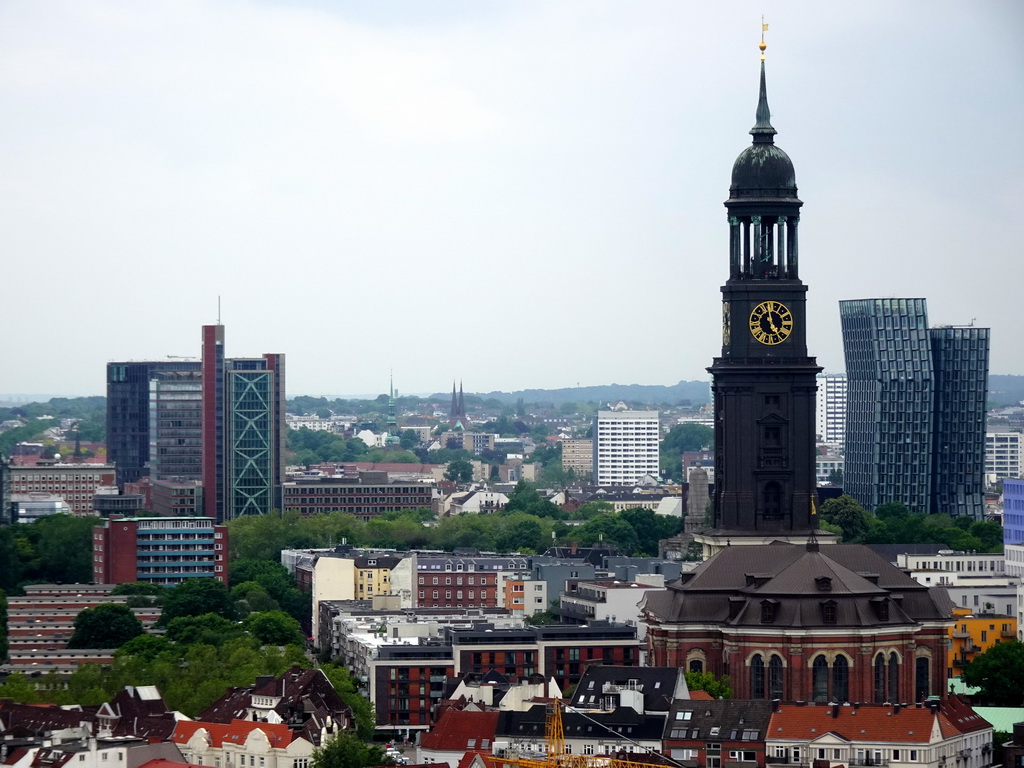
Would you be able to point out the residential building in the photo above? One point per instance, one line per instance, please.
(1004, 455)
(160, 550)
(648, 690)
(974, 634)
(625, 446)
(303, 699)
(709, 734)
(930, 735)
(75, 483)
(242, 742)
(578, 455)
(357, 574)
(366, 496)
(916, 408)
(825, 465)
(128, 417)
(461, 580)
(1013, 541)
(831, 408)
(608, 601)
(557, 650)
(43, 619)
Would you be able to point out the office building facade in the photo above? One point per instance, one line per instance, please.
(625, 446)
(128, 416)
(915, 422)
(176, 425)
(243, 431)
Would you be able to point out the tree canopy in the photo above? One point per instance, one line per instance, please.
(347, 751)
(999, 673)
(196, 597)
(110, 625)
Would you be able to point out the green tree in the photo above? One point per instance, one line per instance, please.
(459, 471)
(362, 708)
(650, 528)
(252, 597)
(106, 626)
(18, 688)
(679, 440)
(409, 439)
(999, 673)
(717, 687)
(196, 597)
(274, 628)
(835, 477)
(347, 751)
(208, 629)
(847, 513)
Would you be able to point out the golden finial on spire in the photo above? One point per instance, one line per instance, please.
(763, 45)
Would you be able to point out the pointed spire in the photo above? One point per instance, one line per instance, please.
(462, 402)
(454, 411)
(762, 130)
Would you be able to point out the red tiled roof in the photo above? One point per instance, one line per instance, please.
(467, 759)
(235, 732)
(869, 722)
(454, 730)
(701, 696)
(957, 716)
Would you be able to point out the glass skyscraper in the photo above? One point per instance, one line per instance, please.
(915, 421)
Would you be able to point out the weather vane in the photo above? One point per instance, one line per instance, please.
(763, 45)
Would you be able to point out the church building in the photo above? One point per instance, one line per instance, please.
(776, 606)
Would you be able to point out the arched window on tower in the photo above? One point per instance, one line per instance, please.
(841, 679)
(894, 677)
(772, 501)
(775, 671)
(696, 665)
(757, 677)
(922, 678)
(819, 682)
(879, 679)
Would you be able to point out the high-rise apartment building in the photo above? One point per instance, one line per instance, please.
(243, 432)
(1004, 455)
(831, 415)
(915, 424)
(625, 446)
(159, 550)
(128, 417)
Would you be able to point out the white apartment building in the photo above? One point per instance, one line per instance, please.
(831, 408)
(625, 446)
(1004, 455)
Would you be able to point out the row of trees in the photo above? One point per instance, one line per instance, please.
(894, 523)
(54, 549)
(528, 524)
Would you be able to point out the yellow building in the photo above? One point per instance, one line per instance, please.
(973, 634)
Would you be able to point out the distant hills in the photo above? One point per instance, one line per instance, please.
(1005, 390)
(696, 392)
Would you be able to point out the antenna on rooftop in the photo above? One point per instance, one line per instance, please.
(218, 310)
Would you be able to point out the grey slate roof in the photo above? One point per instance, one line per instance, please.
(658, 685)
(862, 587)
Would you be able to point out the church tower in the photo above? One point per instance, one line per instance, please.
(764, 382)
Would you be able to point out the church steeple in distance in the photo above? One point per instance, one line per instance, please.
(763, 382)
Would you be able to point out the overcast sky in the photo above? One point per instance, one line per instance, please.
(514, 194)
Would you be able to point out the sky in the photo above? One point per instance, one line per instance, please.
(510, 194)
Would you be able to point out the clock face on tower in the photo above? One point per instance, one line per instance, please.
(771, 322)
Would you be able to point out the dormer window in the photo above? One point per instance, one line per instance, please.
(768, 609)
(829, 612)
(824, 583)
